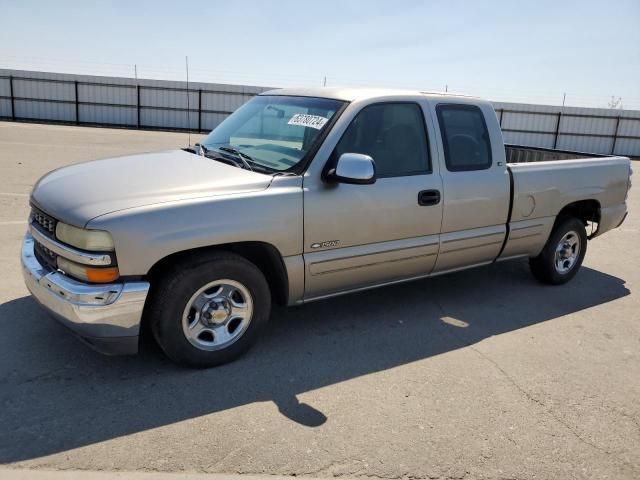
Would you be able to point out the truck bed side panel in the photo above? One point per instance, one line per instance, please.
(543, 189)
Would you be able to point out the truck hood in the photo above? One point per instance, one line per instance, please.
(78, 193)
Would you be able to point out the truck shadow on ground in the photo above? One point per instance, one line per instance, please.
(58, 395)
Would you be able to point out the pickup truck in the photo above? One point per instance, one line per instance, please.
(300, 195)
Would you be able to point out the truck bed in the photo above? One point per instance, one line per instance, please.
(522, 154)
(544, 181)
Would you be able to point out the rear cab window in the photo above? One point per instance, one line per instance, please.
(465, 137)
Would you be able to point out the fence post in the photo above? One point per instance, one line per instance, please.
(555, 141)
(199, 110)
(138, 106)
(13, 106)
(615, 136)
(77, 106)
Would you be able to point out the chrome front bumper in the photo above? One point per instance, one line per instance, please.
(107, 317)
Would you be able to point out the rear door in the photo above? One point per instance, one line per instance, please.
(362, 235)
(476, 185)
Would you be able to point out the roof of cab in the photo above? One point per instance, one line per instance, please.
(350, 94)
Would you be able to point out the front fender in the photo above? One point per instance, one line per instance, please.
(143, 236)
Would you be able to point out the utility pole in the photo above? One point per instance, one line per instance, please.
(564, 97)
(186, 64)
(135, 73)
(446, 88)
(324, 84)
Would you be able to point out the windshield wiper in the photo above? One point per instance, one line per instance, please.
(243, 157)
(206, 152)
(245, 160)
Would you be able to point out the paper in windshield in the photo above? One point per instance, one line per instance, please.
(312, 121)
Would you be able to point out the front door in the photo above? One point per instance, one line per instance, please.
(362, 235)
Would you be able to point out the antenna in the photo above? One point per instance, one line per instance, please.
(186, 62)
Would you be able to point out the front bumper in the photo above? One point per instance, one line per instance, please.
(107, 317)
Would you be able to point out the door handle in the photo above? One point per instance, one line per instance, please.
(428, 197)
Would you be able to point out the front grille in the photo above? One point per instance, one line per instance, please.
(45, 221)
(46, 225)
(45, 256)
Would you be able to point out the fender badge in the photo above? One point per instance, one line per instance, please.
(327, 244)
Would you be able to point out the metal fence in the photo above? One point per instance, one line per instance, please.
(161, 104)
(118, 102)
(596, 130)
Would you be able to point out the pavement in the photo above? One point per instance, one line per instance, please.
(482, 374)
(26, 474)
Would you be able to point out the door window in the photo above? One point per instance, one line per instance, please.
(393, 134)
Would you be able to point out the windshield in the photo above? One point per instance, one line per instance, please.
(274, 132)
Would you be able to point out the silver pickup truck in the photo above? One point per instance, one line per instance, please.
(299, 195)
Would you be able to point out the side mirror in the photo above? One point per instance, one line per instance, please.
(353, 168)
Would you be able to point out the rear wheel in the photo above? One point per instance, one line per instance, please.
(209, 309)
(563, 254)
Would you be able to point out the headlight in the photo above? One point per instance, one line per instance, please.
(92, 240)
(87, 273)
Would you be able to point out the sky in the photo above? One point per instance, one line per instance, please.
(527, 51)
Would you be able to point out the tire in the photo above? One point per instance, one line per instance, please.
(563, 253)
(209, 309)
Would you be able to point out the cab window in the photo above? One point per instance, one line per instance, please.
(393, 134)
(465, 137)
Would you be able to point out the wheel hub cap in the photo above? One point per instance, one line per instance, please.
(567, 252)
(217, 314)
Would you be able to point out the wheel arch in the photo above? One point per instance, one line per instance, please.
(263, 255)
(587, 211)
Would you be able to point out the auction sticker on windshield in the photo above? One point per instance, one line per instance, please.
(313, 121)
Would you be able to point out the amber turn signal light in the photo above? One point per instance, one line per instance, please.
(102, 275)
(87, 273)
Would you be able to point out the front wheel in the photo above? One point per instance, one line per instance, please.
(209, 309)
(562, 256)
